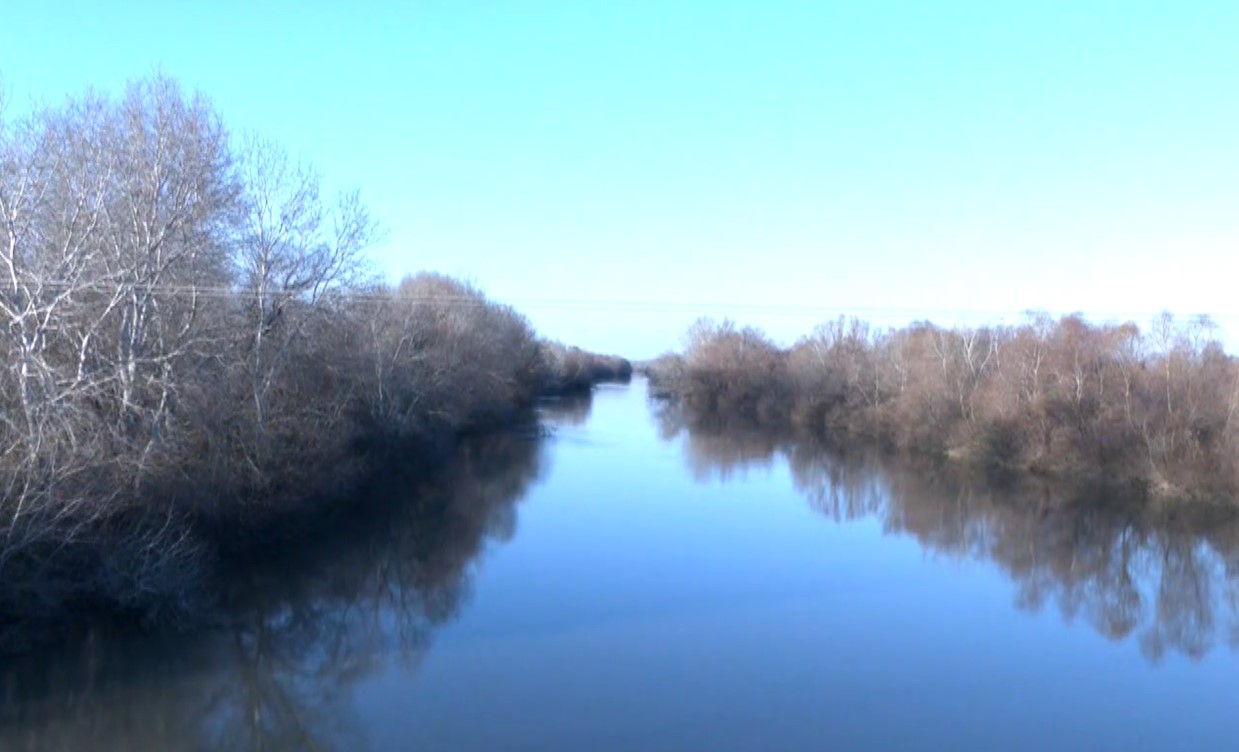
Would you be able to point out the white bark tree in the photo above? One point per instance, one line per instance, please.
(295, 249)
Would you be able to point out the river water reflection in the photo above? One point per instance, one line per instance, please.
(626, 583)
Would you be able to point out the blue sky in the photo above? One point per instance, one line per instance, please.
(615, 169)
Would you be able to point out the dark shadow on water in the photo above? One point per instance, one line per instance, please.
(569, 409)
(292, 636)
(1166, 577)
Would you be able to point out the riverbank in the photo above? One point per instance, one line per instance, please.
(222, 536)
(198, 361)
(1067, 399)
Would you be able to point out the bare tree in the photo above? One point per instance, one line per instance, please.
(189, 334)
(1057, 396)
(294, 251)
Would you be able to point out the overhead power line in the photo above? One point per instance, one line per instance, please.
(619, 304)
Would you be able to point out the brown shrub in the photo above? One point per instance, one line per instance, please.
(1064, 397)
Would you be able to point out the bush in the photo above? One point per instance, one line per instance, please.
(1062, 397)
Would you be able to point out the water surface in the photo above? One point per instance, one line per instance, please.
(627, 584)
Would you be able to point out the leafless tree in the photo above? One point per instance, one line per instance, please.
(190, 335)
(294, 251)
(1054, 396)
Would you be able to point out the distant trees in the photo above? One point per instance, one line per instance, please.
(441, 355)
(1061, 396)
(571, 369)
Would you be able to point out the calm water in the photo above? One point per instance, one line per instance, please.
(628, 585)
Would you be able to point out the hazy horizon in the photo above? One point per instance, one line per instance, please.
(617, 170)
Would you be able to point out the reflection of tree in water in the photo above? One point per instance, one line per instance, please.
(721, 455)
(294, 636)
(570, 409)
(1124, 567)
(717, 449)
(1167, 578)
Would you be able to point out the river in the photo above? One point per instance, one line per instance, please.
(623, 583)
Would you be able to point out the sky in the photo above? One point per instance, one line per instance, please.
(617, 169)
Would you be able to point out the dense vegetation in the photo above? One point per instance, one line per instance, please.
(573, 370)
(1099, 402)
(193, 350)
(294, 635)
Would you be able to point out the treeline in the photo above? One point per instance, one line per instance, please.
(573, 370)
(192, 346)
(1153, 410)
